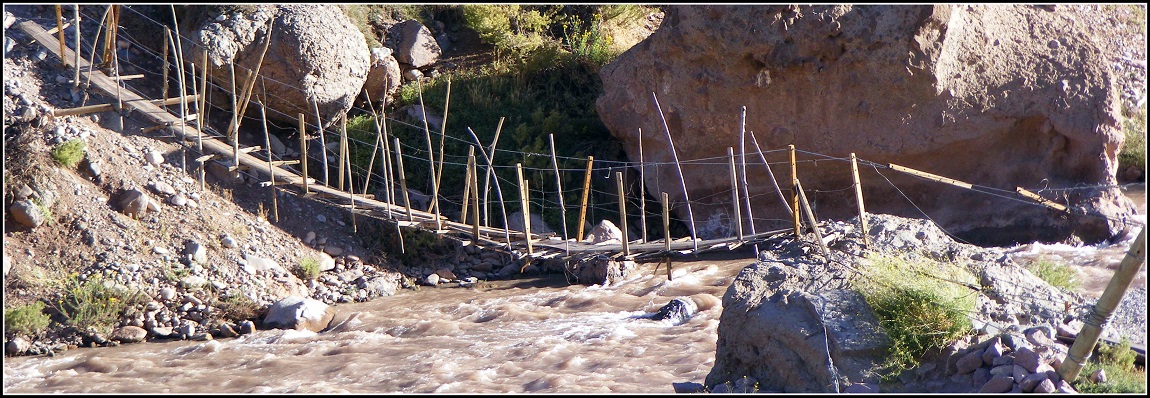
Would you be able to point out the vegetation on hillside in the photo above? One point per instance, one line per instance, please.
(542, 79)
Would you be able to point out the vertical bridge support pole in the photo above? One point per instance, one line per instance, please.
(586, 192)
(737, 217)
(622, 214)
(859, 200)
(795, 191)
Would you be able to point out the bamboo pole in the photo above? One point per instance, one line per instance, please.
(811, 218)
(60, 32)
(490, 172)
(342, 148)
(322, 140)
(559, 191)
(859, 199)
(271, 174)
(179, 69)
(774, 181)
(233, 131)
(743, 175)
(642, 192)
(430, 162)
(442, 138)
(498, 191)
(251, 80)
(164, 78)
(467, 185)
(795, 191)
(76, 66)
(737, 218)
(388, 176)
(526, 209)
(402, 179)
(303, 153)
(622, 214)
(113, 29)
(350, 188)
(679, 167)
(586, 192)
(200, 124)
(92, 55)
(204, 89)
(384, 164)
(475, 197)
(1092, 328)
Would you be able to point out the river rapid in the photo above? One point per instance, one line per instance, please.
(528, 335)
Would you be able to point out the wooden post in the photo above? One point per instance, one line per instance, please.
(342, 148)
(1046, 202)
(859, 200)
(402, 178)
(271, 173)
(1084, 345)
(467, 185)
(743, 175)
(795, 191)
(737, 218)
(251, 80)
(199, 124)
(475, 194)
(442, 138)
(203, 89)
(525, 205)
(622, 214)
(164, 84)
(642, 192)
(179, 69)
(113, 28)
(771, 174)
(322, 141)
(586, 192)
(811, 217)
(303, 153)
(60, 33)
(384, 164)
(559, 191)
(679, 167)
(498, 191)
(388, 177)
(371, 162)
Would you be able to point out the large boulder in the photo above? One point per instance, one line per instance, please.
(383, 77)
(1002, 96)
(316, 54)
(417, 47)
(298, 313)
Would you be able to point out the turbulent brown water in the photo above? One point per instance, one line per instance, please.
(529, 335)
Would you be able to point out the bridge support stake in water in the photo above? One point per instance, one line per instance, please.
(859, 199)
(472, 170)
(583, 203)
(1092, 328)
(622, 214)
(666, 235)
(467, 186)
(525, 203)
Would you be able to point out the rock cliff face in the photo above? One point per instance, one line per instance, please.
(998, 96)
(316, 53)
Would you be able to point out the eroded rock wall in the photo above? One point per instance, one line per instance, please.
(998, 96)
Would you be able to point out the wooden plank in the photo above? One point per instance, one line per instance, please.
(811, 218)
(1022, 191)
(284, 162)
(929, 176)
(83, 110)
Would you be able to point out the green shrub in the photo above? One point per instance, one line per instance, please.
(308, 268)
(238, 307)
(94, 304)
(1134, 148)
(26, 319)
(919, 306)
(514, 30)
(69, 153)
(1056, 274)
(1117, 361)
